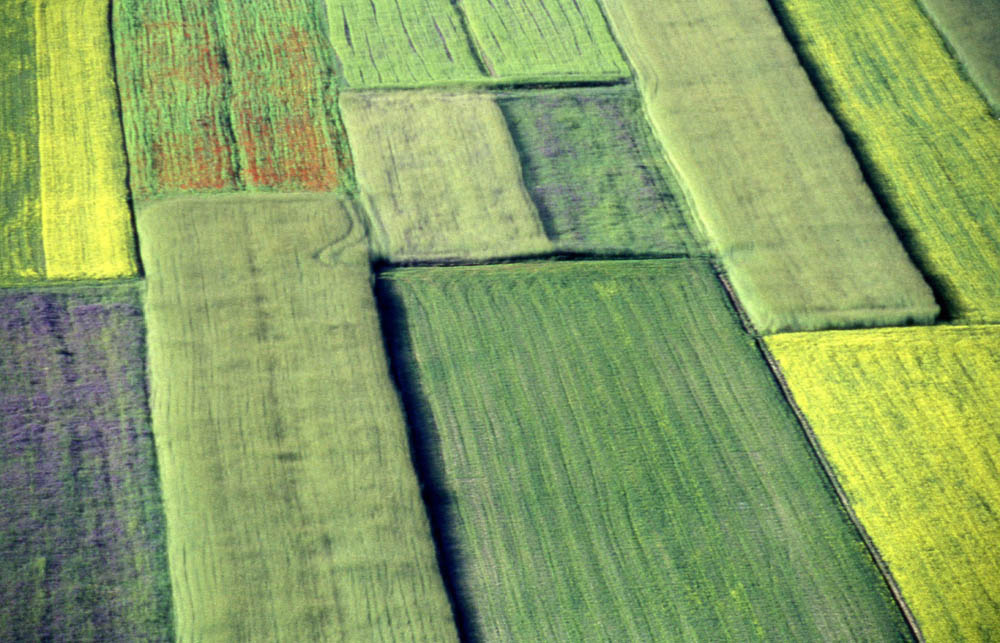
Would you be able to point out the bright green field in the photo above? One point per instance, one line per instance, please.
(776, 189)
(910, 419)
(293, 512)
(609, 458)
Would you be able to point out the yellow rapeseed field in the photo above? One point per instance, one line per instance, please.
(86, 225)
(910, 420)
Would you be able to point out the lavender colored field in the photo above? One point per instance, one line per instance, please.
(82, 552)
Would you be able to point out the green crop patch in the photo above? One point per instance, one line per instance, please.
(772, 182)
(293, 511)
(609, 458)
(21, 252)
(544, 40)
(972, 29)
(82, 545)
(441, 177)
(927, 137)
(596, 173)
(388, 43)
(910, 420)
(222, 95)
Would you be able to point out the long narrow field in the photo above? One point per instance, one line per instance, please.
(596, 172)
(910, 419)
(972, 30)
(924, 133)
(21, 253)
(610, 459)
(543, 40)
(387, 43)
(218, 96)
(773, 183)
(82, 548)
(441, 176)
(293, 512)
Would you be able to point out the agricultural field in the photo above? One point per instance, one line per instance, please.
(58, 113)
(923, 132)
(910, 420)
(479, 320)
(293, 512)
(625, 443)
(773, 184)
(82, 549)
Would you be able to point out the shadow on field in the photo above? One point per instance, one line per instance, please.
(425, 451)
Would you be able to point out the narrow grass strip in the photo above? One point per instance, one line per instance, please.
(171, 74)
(86, 222)
(82, 546)
(441, 176)
(910, 420)
(544, 40)
(772, 180)
(293, 511)
(596, 172)
(22, 254)
(972, 30)
(609, 458)
(283, 97)
(922, 130)
(396, 43)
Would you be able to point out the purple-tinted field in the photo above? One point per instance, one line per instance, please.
(82, 553)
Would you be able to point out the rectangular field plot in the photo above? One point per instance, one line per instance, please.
(441, 177)
(227, 95)
(388, 43)
(82, 548)
(607, 457)
(543, 40)
(910, 420)
(924, 133)
(293, 511)
(774, 185)
(596, 173)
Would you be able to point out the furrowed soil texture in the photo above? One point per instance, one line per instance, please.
(222, 95)
(972, 30)
(609, 458)
(293, 511)
(389, 43)
(65, 214)
(21, 252)
(910, 420)
(543, 40)
(596, 173)
(773, 183)
(441, 177)
(924, 133)
(82, 549)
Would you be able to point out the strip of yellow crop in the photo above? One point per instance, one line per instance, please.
(922, 129)
(86, 226)
(910, 420)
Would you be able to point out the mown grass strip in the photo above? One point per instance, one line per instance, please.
(909, 420)
(596, 173)
(543, 40)
(22, 255)
(293, 512)
(392, 43)
(86, 222)
(972, 29)
(283, 97)
(772, 181)
(609, 458)
(441, 176)
(82, 546)
(922, 130)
